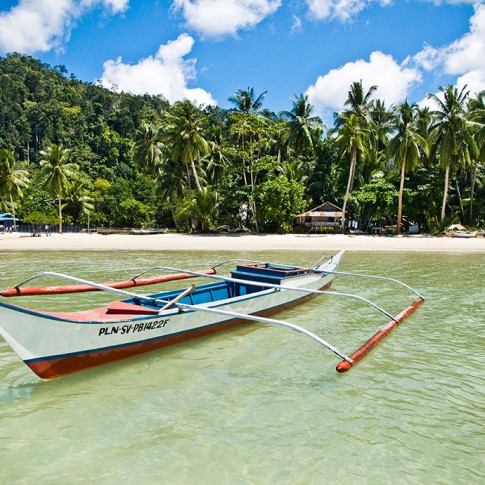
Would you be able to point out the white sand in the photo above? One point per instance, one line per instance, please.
(291, 242)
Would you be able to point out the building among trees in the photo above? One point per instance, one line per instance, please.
(325, 215)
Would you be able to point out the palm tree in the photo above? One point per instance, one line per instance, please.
(381, 129)
(477, 116)
(201, 207)
(354, 128)
(250, 129)
(246, 100)
(59, 173)
(13, 178)
(252, 133)
(454, 141)
(185, 128)
(406, 147)
(148, 150)
(353, 139)
(294, 170)
(217, 161)
(171, 185)
(359, 103)
(302, 123)
(79, 200)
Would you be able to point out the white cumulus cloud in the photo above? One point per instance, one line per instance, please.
(463, 58)
(342, 10)
(41, 25)
(394, 81)
(216, 18)
(466, 56)
(167, 73)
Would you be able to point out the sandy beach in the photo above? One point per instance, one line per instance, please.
(289, 242)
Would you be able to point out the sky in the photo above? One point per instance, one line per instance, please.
(206, 50)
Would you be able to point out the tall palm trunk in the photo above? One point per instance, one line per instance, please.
(445, 194)
(350, 183)
(196, 177)
(399, 204)
(472, 195)
(173, 212)
(460, 199)
(189, 178)
(252, 202)
(60, 215)
(13, 213)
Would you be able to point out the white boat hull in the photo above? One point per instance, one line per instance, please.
(54, 344)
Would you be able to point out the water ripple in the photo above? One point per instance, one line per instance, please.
(260, 404)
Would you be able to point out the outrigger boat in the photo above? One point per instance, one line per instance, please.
(457, 230)
(53, 344)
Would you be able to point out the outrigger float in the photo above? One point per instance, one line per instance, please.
(53, 344)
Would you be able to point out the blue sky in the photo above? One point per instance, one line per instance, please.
(206, 50)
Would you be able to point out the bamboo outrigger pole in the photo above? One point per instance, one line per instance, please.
(18, 290)
(364, 349)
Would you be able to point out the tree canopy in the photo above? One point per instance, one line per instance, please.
(73, 152)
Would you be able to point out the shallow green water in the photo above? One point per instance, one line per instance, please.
(261, 404)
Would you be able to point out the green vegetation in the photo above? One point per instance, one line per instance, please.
(76, 153)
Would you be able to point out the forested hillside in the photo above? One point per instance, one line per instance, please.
(72, 151)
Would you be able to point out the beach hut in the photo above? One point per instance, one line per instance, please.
(7, 221)
(325, 215)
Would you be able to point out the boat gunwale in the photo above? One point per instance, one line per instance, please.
(67, 317)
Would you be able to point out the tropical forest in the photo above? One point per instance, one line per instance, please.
(77, 153)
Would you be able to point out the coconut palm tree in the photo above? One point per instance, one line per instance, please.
(358, 102)
(171, 186)
(78, 200)
(13, 179)
(406, 147)
(454, 142)
(202, 207)
(382, 127)
(301, 123)
(476, 108)
(185, 129)
(149, 150)
(217, 162)
(353, 139)
(250, 129)
(354, 128)
(59, 172)
(246, 101)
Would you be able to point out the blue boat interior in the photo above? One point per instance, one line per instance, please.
(212, 292)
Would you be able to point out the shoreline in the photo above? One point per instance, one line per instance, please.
(269, 242)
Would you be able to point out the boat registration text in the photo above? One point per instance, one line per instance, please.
(132, 328)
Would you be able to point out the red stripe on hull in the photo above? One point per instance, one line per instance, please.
(69, 364)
